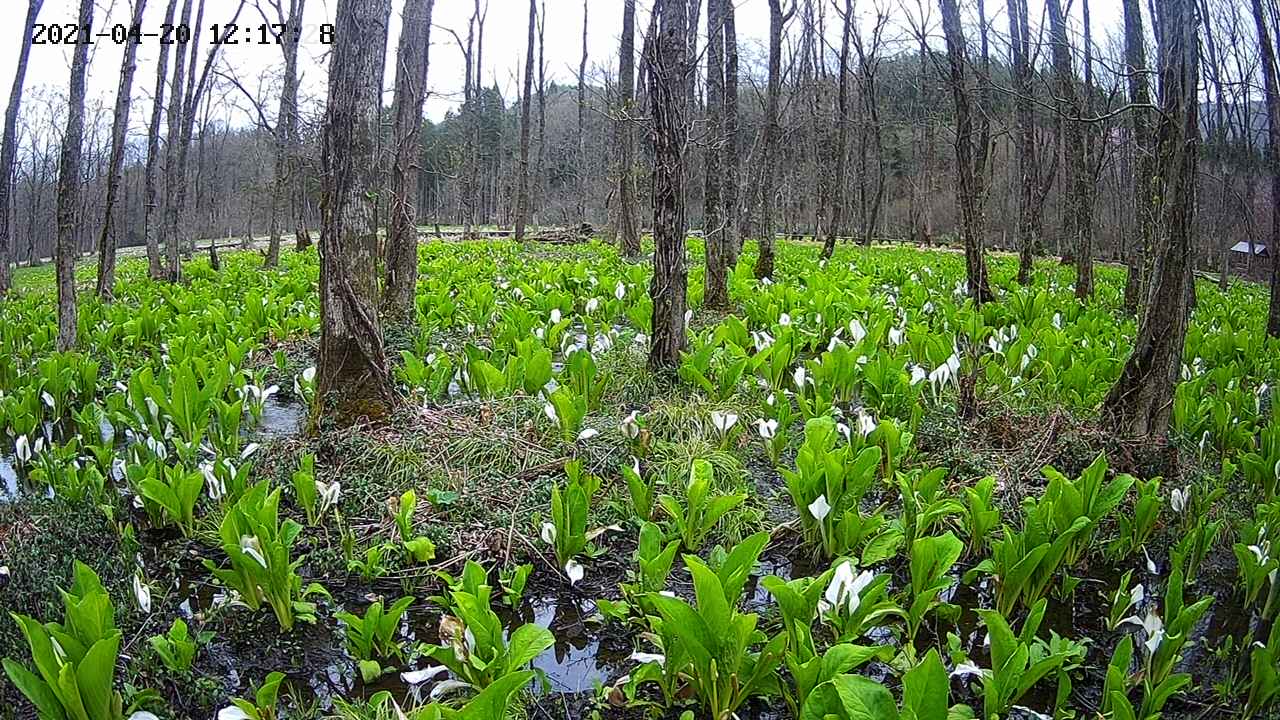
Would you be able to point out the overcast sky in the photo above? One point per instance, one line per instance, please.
(504, 43)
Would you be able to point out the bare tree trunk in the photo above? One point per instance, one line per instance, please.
(1271, 91)
(69, 189)
(729, 161)
(628, 232)
(352, 372)
(411, 92)
(522, 199)
(842, 132)
(150, 228)
(580, 151)
(1030, 222)
(1068, 105)
(970, 161)
(772, 139)
(715, 294)
(1086, 179)
(286, 129)
(1144, 180)
(539, 165)
(1140, 403)
(9, 150)
(119, 130)
(668, 67)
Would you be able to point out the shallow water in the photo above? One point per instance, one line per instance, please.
(9, 486)
(281, 417)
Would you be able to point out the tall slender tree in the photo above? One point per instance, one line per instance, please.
(1140, 403)
(352, 372)
(971, 152)
(729, 161)
(411, 92)
(1140, 128)
(628, 232)
(1030, 224)
(667, 65)
(286, 130)
(1271, 94)
(119, 131)
(522, 198)
(9, 148)
(69, 188)
(715, 292)
(151, 190)
(836, 212)
(772, 138)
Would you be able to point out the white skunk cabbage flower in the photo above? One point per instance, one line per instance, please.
(142, 593)
(251, 546)
(646, 658)
(555, 315)
(1178, 499)
(329, 494)
(784, 319)
(549, 533)
(550, 410)
(918, 375)
(418, 677)
(620, 290)
(866, 423)
(768, 429)
(845, 589)
(723, 421)
(856, 330)
(819, 508)
(574, 571)
(630, 425)
(22, 448)
(1153, 626)
(967, 669)
(592, 305)
(587, 434)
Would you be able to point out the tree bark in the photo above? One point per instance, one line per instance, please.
(352, 374)
(1068, 107)
(1030, 222)
(668, 66)
(729, 161)
(9, 149)
(69, 188)
(970, 161)
(411, 92)
(715, 294)
(151, 192)
(772, 139)
(522, 200)
(1140, 403)
(119, 131)
(1140, 118)
(1271, 93)
(580, 150)
(286, 131)
(628, 232)
(836, 216)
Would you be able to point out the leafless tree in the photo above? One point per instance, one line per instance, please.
(971, 155)
(522, 200)
(628, 232)
(1140, 403)
(286, 130)
(9, 148)
(119, 130)
(667, 65)
(772, 138)
(412, 58)
(69, 180)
